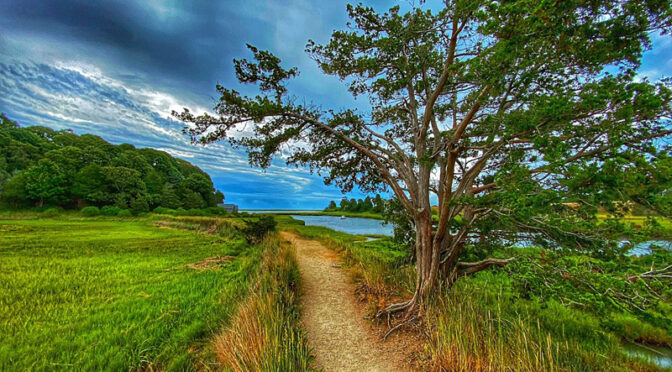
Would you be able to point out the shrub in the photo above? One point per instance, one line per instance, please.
(219, 211)
(256, 230)
(181, 212)
(110, 210)
(164, 210)
(90, 211)
(196, 212)
(124, 213)
(51, 212)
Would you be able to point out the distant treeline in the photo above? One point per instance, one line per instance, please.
(40, 166)
(368, 204)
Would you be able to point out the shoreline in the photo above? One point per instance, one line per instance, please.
(300, 212)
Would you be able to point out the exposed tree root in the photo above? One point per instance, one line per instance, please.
(411, 319)
(395, 308)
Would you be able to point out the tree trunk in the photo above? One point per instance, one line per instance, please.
(429, 269)
(427, 264)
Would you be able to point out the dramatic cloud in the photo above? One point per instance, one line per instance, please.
(72, 98)
(117, 68)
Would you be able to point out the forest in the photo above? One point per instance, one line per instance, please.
(42, 167)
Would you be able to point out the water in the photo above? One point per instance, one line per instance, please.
(640, 249)
(645, 247)
(658, 355)
(366, 226)
(350, 225)
(283, 211)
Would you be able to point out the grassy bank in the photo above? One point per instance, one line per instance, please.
(543, 313)
(114, 294)
(265, 334)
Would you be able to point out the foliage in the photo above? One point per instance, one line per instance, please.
(124, 213)
(51, 212)
(90, 211)
(109, 210)
(368, 204)
(255, 230)
(42, 166)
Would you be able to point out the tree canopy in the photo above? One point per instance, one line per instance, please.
(40, 166)
(522, 118)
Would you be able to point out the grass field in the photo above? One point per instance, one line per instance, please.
(100, 294)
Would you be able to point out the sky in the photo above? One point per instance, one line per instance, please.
(117, 68)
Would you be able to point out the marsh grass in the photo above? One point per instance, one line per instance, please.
(264, 334)
(113, 294)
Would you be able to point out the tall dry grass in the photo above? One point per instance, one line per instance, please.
(264, 334)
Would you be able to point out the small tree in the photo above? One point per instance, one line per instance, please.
(501, 111)
(331, 207)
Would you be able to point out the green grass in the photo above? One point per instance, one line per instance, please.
(110, 294)
(635, 223)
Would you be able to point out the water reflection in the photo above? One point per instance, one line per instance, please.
(350, 225)
(658, 355)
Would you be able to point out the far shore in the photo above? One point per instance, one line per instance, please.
(304, 212)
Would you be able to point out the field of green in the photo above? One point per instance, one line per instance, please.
(112, 294)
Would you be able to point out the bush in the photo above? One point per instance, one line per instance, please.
(90, 211)
(160, 210)
(196, 212)
(124, 213)
(181, 212)
(164, 210)
(110, 210)
(256, 230)
(216, 211)
(51, 212)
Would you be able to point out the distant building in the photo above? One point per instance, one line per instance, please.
(230, 208)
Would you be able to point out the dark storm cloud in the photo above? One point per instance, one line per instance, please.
(186, 43)
(179, 44)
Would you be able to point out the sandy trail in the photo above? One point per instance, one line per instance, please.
(335, 327)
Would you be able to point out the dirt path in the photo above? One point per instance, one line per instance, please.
(335, 327)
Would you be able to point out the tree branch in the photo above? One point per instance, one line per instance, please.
(468, 268)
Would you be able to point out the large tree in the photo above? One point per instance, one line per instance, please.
(502, 111)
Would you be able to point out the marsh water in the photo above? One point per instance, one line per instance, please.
(661, 356)
(350, 225)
